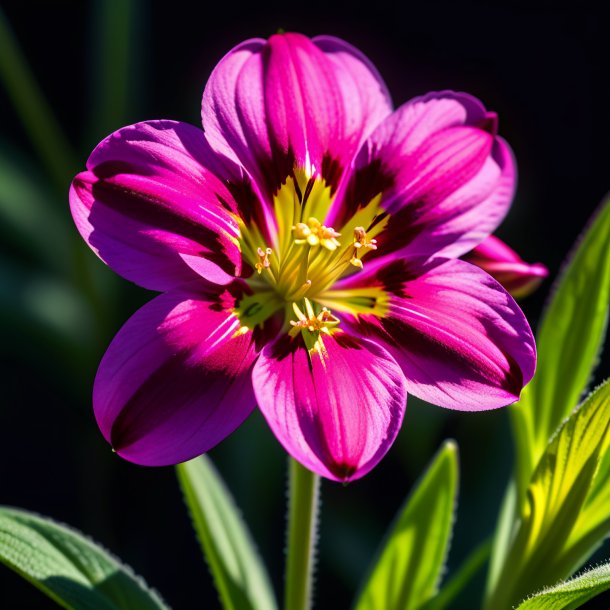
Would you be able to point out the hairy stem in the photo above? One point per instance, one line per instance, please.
(302, 525)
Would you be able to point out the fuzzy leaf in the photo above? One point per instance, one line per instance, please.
(69, 568)
(569, 340)
(555, 497)
(408, 569)
(572, 593)
(239, 575)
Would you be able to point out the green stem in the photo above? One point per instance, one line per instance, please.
(33, 110)
(302, 525)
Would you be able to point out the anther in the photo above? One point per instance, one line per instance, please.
(361, 246)
(315, 233)
(323, 322)
(263, 259)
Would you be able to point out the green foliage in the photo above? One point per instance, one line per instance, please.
(568, 342)
(238, 573)
(408, 570)
(572, 593)
(68, 567)
(458, 581)
(546, 533)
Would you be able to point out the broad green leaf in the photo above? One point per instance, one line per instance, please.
(568, 342)
(556, 494)
(68, 567)
(237, 569)
(572, 593)
(408, 570)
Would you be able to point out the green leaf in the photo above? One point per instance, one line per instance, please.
(464, 574)
(568, 342)
(44, 301)
(572, 593)
(409, 567)
(593, 523)
(32, 107)
(68, 567)
(31, 216)
(116, 51)
(554, 500)
(237, 569)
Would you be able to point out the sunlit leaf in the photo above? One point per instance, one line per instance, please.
(68, 567)
(572, 593)
(555, 497)
(238, 572)
(568, 342)
(593, 523)
(408, 570)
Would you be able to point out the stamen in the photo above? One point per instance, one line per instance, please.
(263, 259)
(315, 233)
(298, 294)
(361, 246)
(321, 323)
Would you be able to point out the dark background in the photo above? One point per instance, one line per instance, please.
(544, 69)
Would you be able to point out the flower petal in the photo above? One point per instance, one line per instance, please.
(460, 338)
(176, 379)
(507, 267)
(292, 101)
(446, 180)
(149, 200)
(338, 410)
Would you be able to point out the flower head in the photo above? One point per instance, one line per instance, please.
(306, 244)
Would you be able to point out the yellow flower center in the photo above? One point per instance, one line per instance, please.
(305, 257)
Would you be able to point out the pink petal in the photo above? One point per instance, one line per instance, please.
(460, 338)
(505, 265)
(336, 413)
(291, 100)
(176, 380)
(149, 201)
(446, 180)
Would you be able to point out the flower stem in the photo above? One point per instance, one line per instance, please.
(304, 489)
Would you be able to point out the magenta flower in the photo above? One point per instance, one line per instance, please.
(506, 266)
(307, 246)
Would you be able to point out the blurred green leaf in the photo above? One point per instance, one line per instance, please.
(569, 340)
(116, 49)
(38, 300)
(572, 593)
(238, 572)
(29, 213)
(556, 494)
(33, 109)
(408, 570)
(68, 567)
